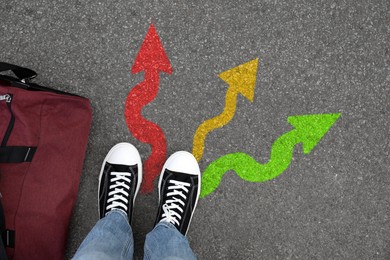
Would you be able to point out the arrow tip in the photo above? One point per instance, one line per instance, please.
(243, 78)
(311, 128)
(152, 55)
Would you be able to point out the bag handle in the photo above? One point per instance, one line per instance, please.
(23, 74)
(23, 81)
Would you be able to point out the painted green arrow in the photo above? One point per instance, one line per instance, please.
(308, 130)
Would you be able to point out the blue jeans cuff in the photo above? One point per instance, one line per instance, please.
(118, 211)
(167, 224)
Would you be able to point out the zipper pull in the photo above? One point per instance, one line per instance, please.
(6, 97)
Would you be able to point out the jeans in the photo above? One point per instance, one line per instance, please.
(112, 238)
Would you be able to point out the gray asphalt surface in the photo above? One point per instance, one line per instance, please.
(314, 57)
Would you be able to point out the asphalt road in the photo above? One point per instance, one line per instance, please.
(314, 57)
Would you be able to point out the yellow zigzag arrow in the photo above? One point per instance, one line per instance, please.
(241, 80)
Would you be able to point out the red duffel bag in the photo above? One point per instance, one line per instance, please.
(43, 135)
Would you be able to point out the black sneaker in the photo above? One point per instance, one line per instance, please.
(179, 189)
(120, 179)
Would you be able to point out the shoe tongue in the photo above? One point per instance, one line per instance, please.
(179, 176)
(123, 168)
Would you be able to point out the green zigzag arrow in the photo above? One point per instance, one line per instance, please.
(309, 129)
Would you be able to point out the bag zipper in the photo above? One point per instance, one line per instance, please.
(6, 97)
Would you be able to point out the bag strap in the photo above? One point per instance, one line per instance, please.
(23, 74)
(17, 154)
(3, 255)
(13, 154)
(8, 99)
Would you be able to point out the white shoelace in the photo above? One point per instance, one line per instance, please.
(118, 195)
(173, 207)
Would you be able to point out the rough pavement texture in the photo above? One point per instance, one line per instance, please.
(314, 57)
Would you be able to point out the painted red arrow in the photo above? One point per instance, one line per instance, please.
(151, 59)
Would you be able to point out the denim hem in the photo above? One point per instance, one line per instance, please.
(120, 212)
(167, 224)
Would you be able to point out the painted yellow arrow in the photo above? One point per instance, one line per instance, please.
(241, 80)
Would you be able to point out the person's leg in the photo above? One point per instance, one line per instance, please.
(166, 242)
(179, 189)
(110, 238)
(119, 182)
